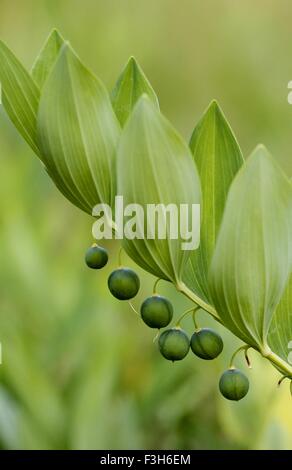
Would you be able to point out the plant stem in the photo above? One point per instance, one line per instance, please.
(155, 286)
(156, 336)
(282, 380)
(242, 348)
(184, 315)
(277, 361)
(133, 308)
(284, 366)
(194, 317)
(201, 303)
(120, 257)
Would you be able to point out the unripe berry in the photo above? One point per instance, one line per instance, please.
(233, 384)
(123, 283)
(156, 311)
(206, 343)
(174, 344)
(96, 257)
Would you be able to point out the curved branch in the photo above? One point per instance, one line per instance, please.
(197, 300)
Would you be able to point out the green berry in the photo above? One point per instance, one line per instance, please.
(233, 384)
(156, 311)
(123, 283)
(174, 344)
(96, 257)
(206, 343)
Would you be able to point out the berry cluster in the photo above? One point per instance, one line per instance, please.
(174, 343)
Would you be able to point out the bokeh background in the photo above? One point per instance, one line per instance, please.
(79, 368)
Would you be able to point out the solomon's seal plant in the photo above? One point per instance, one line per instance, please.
(96, 146)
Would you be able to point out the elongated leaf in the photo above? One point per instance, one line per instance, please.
(46, 58)
(252, 260)
(78, 132)
(155, 167)
(21, 99)
(218, 159)
(280, 332)
(20, 96)
(131, 84)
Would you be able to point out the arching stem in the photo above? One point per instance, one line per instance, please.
(282, 379)
(133, 308)
(244, 348)
(155, 285)
(184, 315)
(156, 336)
(120, 257)
(194, 317)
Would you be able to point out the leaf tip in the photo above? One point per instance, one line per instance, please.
(261, 148)
(56, 36)
(215, 109)
(131, 69)
(54, 32)
(259, 154)
(214, 104)
(144, 102)
(134, 70)
(143, 110)
(3, 45)
(132, 62)
(66, 51)
(262, 158)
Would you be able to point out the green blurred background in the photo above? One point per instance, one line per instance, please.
(79, 368)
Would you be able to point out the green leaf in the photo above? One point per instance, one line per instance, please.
(252, 259)
(46, 58)
(155, 166)
(131, 84)
(20, 96)
(78, 132)
(280, 332)
(218, 159)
